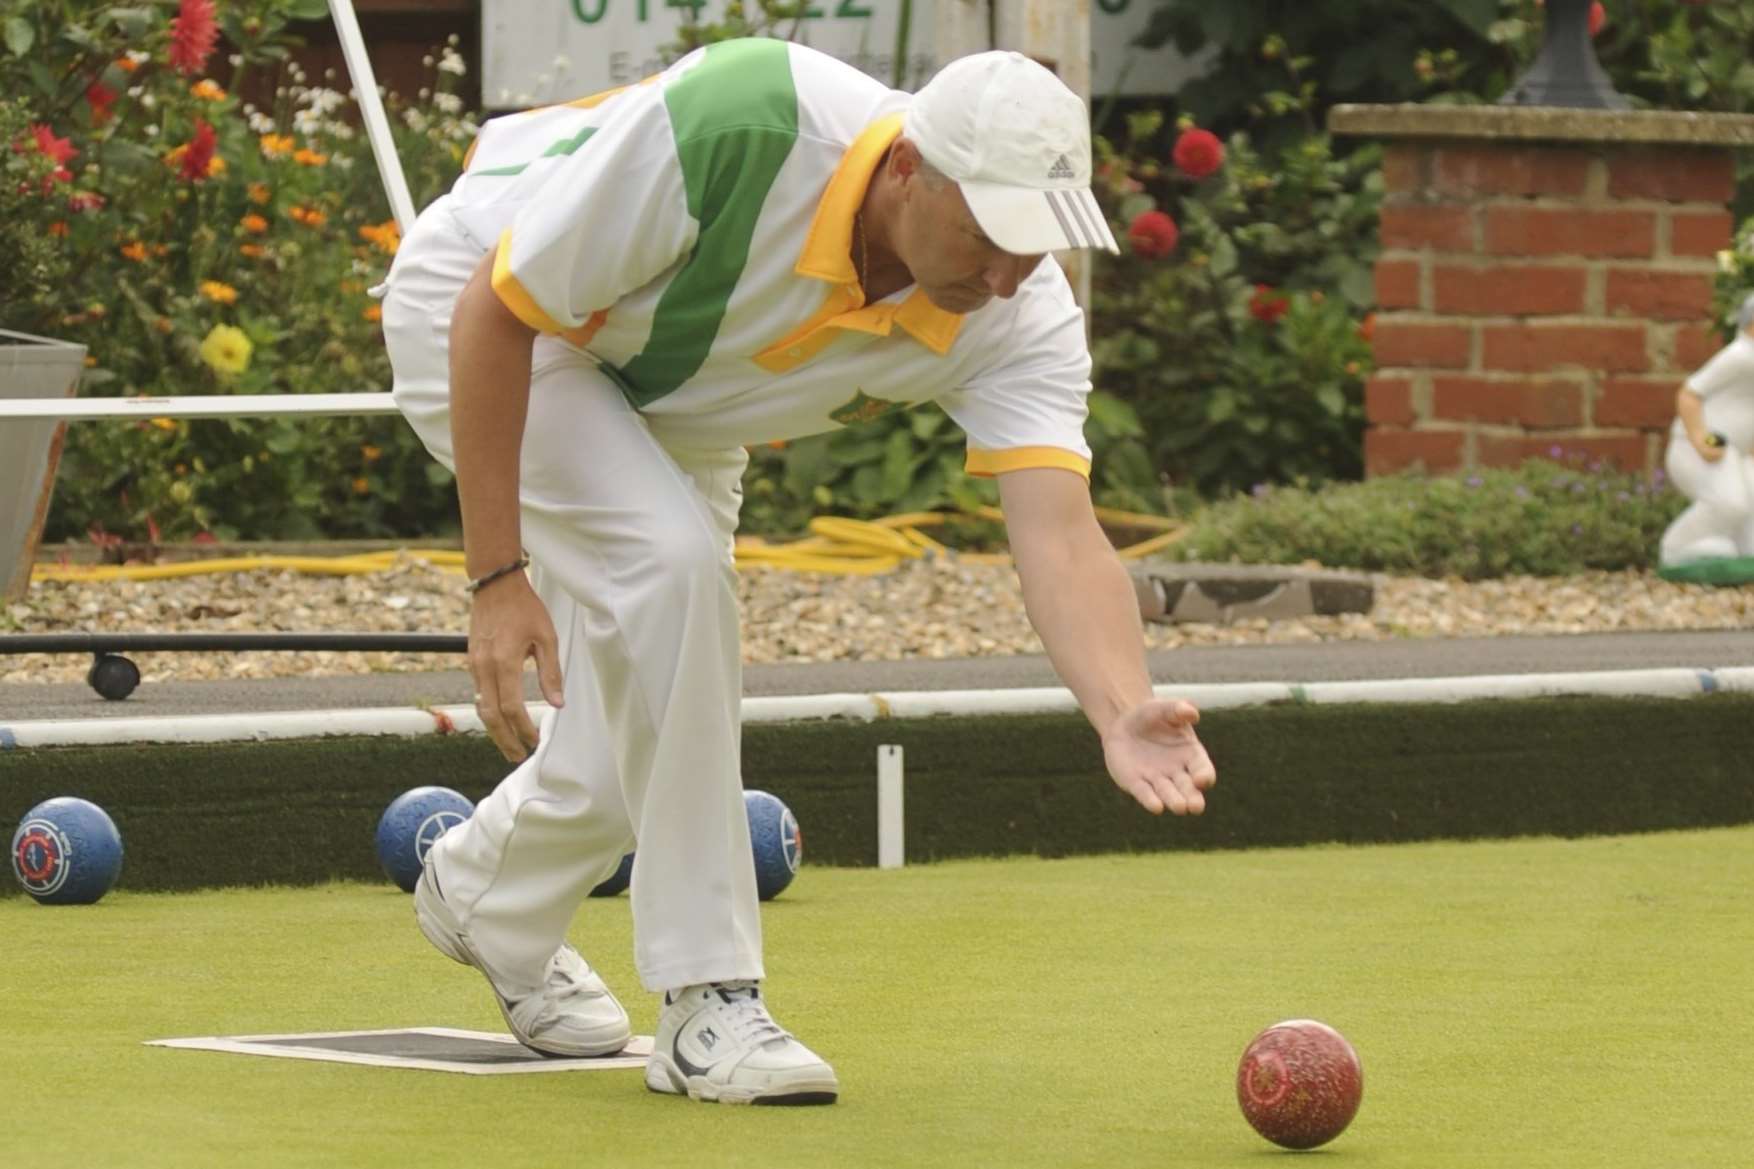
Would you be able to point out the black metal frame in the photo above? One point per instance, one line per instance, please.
(115, 676)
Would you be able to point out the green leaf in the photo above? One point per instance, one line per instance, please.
(1332, 399)
(1223, 258)
(133, 22)
(20, 35)
(898, 464)
(1221, 406)
(925, 422)
(437, 474)
(308, 9)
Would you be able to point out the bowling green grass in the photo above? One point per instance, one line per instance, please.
(1526, 1003)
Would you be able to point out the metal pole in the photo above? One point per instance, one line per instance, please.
(371, 106)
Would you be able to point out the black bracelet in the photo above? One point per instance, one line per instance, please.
(517, 565)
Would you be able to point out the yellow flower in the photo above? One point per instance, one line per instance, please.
(277, 145)
(361, 487)
(164, 423)
(226, 349)
(219, 293)
(309, 158)
(259, 193)
(207, 90)
(254, 224)
(373, 312)
(215, 166)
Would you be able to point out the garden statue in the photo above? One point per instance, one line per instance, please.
(1711, 460)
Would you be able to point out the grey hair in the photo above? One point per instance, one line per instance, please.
(1745, 314)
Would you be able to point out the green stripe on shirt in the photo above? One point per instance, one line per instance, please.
(564, 146)
(735, 118)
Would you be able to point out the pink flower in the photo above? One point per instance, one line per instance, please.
(1598, 17)
(1153, 235)
(193, 35)
(1198, 153)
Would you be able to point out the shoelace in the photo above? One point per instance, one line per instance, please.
(563, 982)
(747, 1015)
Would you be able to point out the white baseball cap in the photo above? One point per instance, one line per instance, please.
(1017, 143)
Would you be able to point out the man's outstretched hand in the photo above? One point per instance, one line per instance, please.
(1154, 756)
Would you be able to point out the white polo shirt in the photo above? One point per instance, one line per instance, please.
(693, 234)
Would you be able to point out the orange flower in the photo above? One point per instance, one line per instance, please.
(135, 251)
(254, 251)
(361, 487)
(370, 453)
(277, 145)
(207, 90)
(219, 293)
(373, 312)
(259, 193)
(254, 224)
(383, 236)
(309, 158)
(58, 228)
(309, 216)
(127, 64)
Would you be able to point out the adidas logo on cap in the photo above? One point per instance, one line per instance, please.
(1062, 169)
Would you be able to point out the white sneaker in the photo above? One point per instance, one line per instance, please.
(717, 1042)
(571, 1014)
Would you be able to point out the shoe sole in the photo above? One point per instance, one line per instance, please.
(664, 1078)
(454, 947)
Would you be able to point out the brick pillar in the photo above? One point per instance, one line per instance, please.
(1545, 279)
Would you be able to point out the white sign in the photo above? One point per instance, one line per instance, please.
(540, 51)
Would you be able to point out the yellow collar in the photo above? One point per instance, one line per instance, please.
(828, 246)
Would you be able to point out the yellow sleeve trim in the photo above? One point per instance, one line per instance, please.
(522, 304)
(986, 464)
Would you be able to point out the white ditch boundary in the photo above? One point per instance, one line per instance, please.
(1676, 682)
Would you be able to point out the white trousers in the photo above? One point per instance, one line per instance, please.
(630, 549)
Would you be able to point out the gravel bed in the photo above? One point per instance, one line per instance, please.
(928, 609)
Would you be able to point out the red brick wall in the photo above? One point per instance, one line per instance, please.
(1534, 295)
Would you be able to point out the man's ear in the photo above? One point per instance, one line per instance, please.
(904, 159)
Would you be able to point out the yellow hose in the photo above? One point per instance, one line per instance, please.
(836, 544)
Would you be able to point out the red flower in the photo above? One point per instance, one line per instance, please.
(1598, 17)
(101, 97)
(58, 149)
(199, 156)
(1268, 304)
(193, 35)
(1153, 235)
(1198, 153)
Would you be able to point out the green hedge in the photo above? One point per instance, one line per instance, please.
(304, 812)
